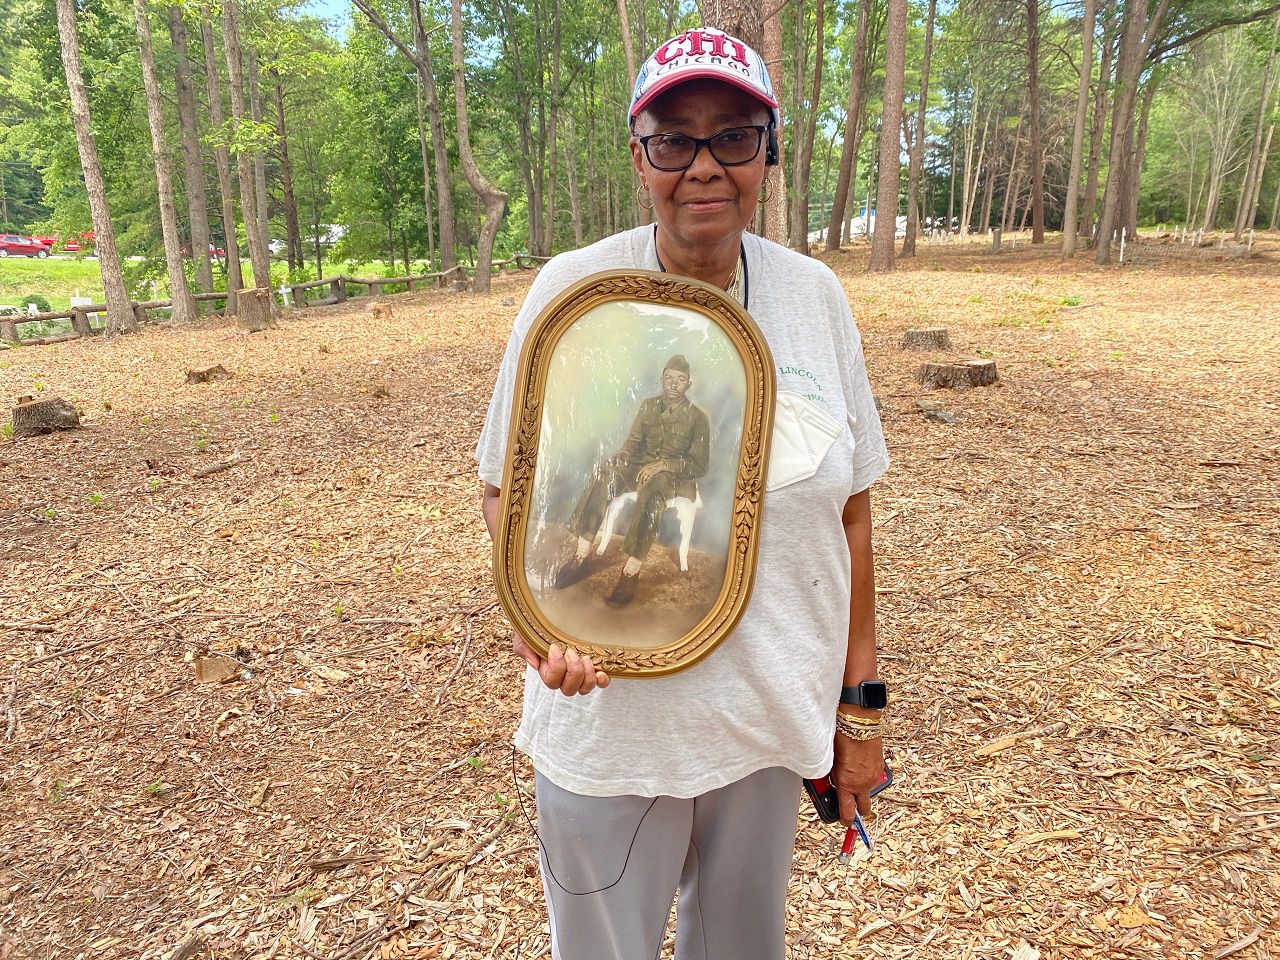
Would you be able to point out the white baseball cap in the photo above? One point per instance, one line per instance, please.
(703, 53)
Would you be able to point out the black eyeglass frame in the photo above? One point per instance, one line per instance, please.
(709, 143)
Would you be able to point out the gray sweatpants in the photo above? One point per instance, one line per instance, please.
(611, 866)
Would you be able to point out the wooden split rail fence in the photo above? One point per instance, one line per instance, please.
(338, 287)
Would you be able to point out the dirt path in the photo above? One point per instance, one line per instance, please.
(1078, 617)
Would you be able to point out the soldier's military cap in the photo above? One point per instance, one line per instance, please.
(678, 362)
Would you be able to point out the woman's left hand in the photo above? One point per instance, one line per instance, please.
(858, 767)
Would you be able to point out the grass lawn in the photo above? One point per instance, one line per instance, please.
(57, 280)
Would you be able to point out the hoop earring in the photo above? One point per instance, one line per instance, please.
(766, 191)
(641, 193)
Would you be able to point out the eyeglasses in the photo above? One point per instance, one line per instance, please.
(677, 151)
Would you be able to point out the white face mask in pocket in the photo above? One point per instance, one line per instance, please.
(802, 434)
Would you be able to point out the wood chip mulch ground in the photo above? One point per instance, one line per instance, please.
(265, 710)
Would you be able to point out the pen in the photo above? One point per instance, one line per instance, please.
(857, 830)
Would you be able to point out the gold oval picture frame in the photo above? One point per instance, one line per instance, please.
(640, 430)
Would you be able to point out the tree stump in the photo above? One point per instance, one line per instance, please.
(32, 417)
(8, 329)
(80, 322)
(960, 375)
(254, 305)
(936, 338)
(211, 375)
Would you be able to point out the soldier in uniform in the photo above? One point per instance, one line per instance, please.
(663, 457)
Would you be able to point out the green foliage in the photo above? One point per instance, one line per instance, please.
(546, 89)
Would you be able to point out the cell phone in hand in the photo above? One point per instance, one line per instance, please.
(826, 802)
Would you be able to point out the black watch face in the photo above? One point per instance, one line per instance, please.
(875, 695)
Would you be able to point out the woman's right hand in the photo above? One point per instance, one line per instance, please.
(561, 669)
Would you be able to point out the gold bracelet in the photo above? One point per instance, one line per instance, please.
(857, 731)
(861, 733)
(864, 721)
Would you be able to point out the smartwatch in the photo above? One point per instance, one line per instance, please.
(869, 694)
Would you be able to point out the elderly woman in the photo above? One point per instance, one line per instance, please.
(692, 781)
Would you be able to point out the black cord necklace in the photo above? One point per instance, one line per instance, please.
(742, 254)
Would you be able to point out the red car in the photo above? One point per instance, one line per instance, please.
(12, 245)
(76, 244)
(49, 242)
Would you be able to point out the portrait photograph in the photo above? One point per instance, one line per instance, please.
(629, 534)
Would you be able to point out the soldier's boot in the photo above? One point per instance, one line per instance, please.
(624, 592)
(570, 572)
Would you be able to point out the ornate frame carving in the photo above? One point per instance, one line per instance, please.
(522, 456)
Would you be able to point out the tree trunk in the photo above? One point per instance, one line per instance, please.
(252, 312)
(951, 196)
(193, 166)
(528, 160)
(553, 134)
(259, 159)
(1013, 194)
(799, 60)
(890, 140)
(222, 161)
(184, 308)
(444, 190)
(426, 176)
(1098, 127)
(592, 213)
(852, 133)
(571, 173)
(1138, 157)
(1211, 204)
(1245, 208)
(917, 155)
(1275, 210)
(494, 200)
(292, 231)
(120, 318)
(972, 171)
(1070, 214)
(1128, 68)
(1010, 191)
(1036, 146)
(989, 188)
(775, 208)
(738, 18)
(629, 51)
(1252, 216)
(804, 156)
(970, 126)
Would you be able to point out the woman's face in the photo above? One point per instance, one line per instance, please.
(705, 204)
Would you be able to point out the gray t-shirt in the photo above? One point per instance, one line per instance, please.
(766, 696)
